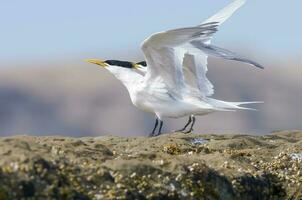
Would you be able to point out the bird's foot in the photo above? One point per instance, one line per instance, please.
(187, 132)
(179, 131)
(151, 135)
(183, 131)
(154, 135)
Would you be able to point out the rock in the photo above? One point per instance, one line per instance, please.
(171, 166)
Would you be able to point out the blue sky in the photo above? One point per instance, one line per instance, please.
(48, 30)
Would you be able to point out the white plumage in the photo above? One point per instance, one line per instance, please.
(175, 83)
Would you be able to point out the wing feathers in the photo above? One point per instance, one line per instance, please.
(226, 12)
(224, 53)
(165, 52)
(177, 37)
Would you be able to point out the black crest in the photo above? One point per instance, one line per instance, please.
(119, 63)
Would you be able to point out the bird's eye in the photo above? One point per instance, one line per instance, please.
(143, 63)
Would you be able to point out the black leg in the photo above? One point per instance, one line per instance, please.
(186, 126)
(192, 125)
(160, 127)
(155, 126)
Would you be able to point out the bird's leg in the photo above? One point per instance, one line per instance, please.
(160, 127)
(155, 126)
(192, 125)
(186, 126)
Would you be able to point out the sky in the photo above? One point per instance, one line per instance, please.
(36, 30)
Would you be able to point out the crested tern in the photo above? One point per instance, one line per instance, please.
(172, 82)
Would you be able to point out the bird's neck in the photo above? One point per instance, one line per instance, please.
(129, 77)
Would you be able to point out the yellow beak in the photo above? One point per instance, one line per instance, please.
(97, 62)
(136, 66)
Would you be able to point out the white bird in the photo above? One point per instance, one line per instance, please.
(172, 82)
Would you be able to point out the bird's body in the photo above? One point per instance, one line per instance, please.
(158, 100)
(172, 81)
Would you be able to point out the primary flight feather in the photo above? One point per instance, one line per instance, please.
(172, 81)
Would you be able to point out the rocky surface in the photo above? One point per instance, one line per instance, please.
(171, 166)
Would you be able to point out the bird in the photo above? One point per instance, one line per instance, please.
(172, 81)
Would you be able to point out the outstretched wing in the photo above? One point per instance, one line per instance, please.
(164, 53)
(179, 56)
(195, 63)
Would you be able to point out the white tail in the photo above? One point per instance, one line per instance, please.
(230, 106)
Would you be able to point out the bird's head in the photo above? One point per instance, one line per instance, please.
(127, 72)
(115, 66)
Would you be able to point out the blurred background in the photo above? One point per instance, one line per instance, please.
(46, 88)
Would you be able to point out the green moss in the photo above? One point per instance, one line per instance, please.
(3, 194)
